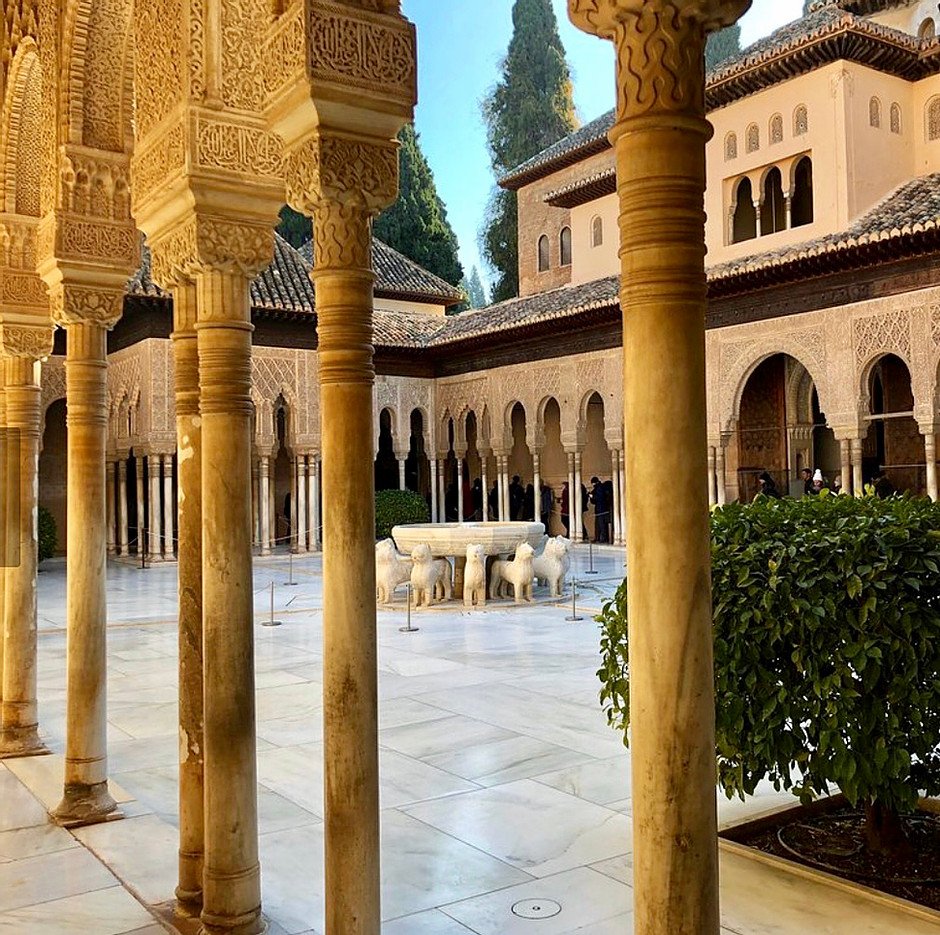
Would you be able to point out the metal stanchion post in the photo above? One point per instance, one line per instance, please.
(272, 622)
(409, 628)
(291, 582)
(591, 570)
(574, 618)
(142, 546)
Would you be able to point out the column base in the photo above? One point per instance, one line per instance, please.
(86, 805)
(251, 924)
(18, 742)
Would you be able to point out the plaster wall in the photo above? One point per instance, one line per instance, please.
(589, 262)
(909, 17)
(397, 305)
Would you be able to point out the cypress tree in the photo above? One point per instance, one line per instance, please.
(476, 291)
(722, 46)
(530, 107)
(294, 227)
(416, 225)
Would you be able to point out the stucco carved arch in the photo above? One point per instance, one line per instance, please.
(507, 439)
(865, 378)
(21, 134)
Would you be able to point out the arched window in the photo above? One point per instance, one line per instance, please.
(801, 206)
(565, 246)
(776, 129)
(800, 121)
(745, 214)
(543, 254)
(753, 138)
(731, 147)
(896, 118)
(597, 232)
(933, 119)
(927, 29)
(874, 113)
(773, 214)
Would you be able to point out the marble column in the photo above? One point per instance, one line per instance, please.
(722, 490)
(618, 527)
(123, 536)
(155, 547)
(504, 513)
(314, 483)
(571, 504)
(110, 485)
(189, 525)
(442, 491)
(659, 140)
(435, 517)
(344, 283)
(485, 481)
(845, 462)
(930, 451)
(255, 505)
(232, 875)
(578, 522)
(302, 503)
(264, 495)
(537, 486)
(86, 798)
(141, 507)
(19, 716)
(402, 485)
(292, 514)
(858, 480)
(712, 477)
(460, 490)
(169, 546)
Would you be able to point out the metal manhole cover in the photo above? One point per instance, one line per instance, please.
(536, 908)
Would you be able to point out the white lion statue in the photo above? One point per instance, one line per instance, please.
(431, 579)
(551, 566)
(474, 577)
(391, 569)
(517, 573)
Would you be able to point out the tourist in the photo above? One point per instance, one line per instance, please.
(528, 504)
(819, 482)
(601, 510)
(545, 508)
(807, 476)
(585, 504)
(450, 503)
(494, 502)
(609, 491)
(477, 500)
(837, 484)
(516, 498)
(467, 491)
(883, 487)
(767, 486)
(566, 509)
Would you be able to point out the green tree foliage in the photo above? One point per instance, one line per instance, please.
(530, 107)
(416, 225)
(827, 651)
(48, 535)
(722, 46)
(398, 508)
(476, 291)
(294, 227)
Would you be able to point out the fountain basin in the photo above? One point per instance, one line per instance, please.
(448, 540)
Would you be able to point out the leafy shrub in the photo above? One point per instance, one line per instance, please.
(396, 508)
(827, 651)
(47, 534)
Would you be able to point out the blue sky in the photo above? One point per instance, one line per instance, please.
(460, 45)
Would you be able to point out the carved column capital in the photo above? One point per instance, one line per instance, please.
(74, 304)
(32, 342)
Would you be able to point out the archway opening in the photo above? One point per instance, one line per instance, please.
(521, 491)
(553, 463)
(745, 214)
(773, 215)
(53, 469)
(596, 463)
(281, 473)
(893, 443)
(801, 207)
(386, 464)
(417, 466)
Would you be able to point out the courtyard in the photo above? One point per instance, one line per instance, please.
(501, 784)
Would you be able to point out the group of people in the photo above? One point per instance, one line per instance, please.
(814, 482)
(522, 505)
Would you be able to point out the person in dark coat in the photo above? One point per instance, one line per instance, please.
(545, 508)
(494, 502)
(883, 487)
(767, 486)
(601, 510)
(528, 504)
(516, 498)
(808, 489)
(565, 504)
(477, 500)
(585, 506)
(450, 503)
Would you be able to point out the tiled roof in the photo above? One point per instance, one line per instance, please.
(911, 209)
(395, 275)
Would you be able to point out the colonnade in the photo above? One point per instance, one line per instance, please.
(154, 499)
(305, 522)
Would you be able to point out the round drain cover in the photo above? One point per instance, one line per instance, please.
(536, 908)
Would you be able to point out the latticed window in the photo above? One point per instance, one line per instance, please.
(933, 119)
(753, 138)
(800, 121)
(543, 254)
(927, 29)
(565, 246)
(874, 113)
(731, 147)
(895, 118)
(776, 129)
(597, 232)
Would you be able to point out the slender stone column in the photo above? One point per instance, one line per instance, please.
(930, 450)
(402, 485)
(123, 537)
(109, 499)
(720, 475)
(618, 526)
(86, 797)
(153, 477)
(435, 518)
(20, 716)
(659, 140)
(302, 503)
(504, 514)
(758, 204)
(485, 481)
(265, 499)
(537, 486)
(169, 546)
(858, 480)
(578, 499)
(292, 514)
(845, 461)
(232, 874)
(141, 508)
(460, 490)
(272, 511)
(344, 282)
(314, 481)
(441, 491)
(712, 477)
(255, 505)
(189, 524)
(571, 504)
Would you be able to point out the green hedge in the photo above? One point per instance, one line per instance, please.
(398, 508)
(827, 648)
(47, 534)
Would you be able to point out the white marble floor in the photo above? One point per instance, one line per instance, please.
(501, 783)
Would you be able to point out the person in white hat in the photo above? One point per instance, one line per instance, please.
(819, 482)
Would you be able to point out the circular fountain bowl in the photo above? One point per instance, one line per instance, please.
(449, 539)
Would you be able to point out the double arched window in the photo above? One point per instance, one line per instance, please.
(597, 231)
(564, 244)
(544, 259)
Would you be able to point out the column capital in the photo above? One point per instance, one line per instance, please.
(33, 342)
(76, 304)
(605, 18)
